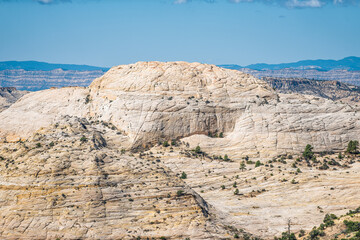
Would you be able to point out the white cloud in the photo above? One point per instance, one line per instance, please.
(304, 3)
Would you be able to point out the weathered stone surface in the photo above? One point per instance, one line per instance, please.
(8, 96)
(58, 185)
(153, 101)
(72, 175)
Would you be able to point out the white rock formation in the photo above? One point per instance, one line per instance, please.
(154, 101)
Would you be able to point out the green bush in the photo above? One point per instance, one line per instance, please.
(352, 147)
(258, 163)
(83, 139)
(352, 226)
(286, 236)
(242, 166)
(197, 149)
(308, 153)
(165, 144)
(183, 175)
(179, 193)
(329, 220)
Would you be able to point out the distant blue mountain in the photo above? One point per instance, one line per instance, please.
(43, 66)
(349, 63)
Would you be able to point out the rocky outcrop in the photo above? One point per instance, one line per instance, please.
(153, 101)
(345, 76)
(333, 90)
(68, 170)
(60, 186)
(8, 96)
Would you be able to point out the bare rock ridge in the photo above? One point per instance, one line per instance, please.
(8, 96)
(154, 101)
(333, 90)
(67, 183)
(67, 172)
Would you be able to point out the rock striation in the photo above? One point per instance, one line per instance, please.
(154, 101)
(333, 90)
(73, 164)
(71, 182)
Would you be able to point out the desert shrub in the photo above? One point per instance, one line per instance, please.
(352, 226)
(87, 99)
(258, 163)
(83, 139)
(324, 167)
(308, 153)
(226, 158)
(352, 147)
(286, 236)
(354, 211)
(236, 192)
(316, 233)
(165, 144)
(183, 175)
(242, 166)
(294, 181)
(179, 193)
(197, 149)
(329, 220)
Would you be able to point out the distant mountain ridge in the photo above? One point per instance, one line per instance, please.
(43, 66)
(349, 63)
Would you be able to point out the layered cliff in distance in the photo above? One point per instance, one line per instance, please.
(345, 76)
(34, 76)
(345, 70)
(95, 162)
(8, 96)
(333, 90)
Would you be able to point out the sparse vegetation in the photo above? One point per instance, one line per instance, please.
(308, 153)
(352, 147)
(258, 164)
(242, 166)
(179, 193)
(197, 150)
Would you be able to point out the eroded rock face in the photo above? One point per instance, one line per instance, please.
(72, 176)
(8, 96)
(61, 184)
(154, 101)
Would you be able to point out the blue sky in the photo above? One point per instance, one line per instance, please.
(113, 32)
